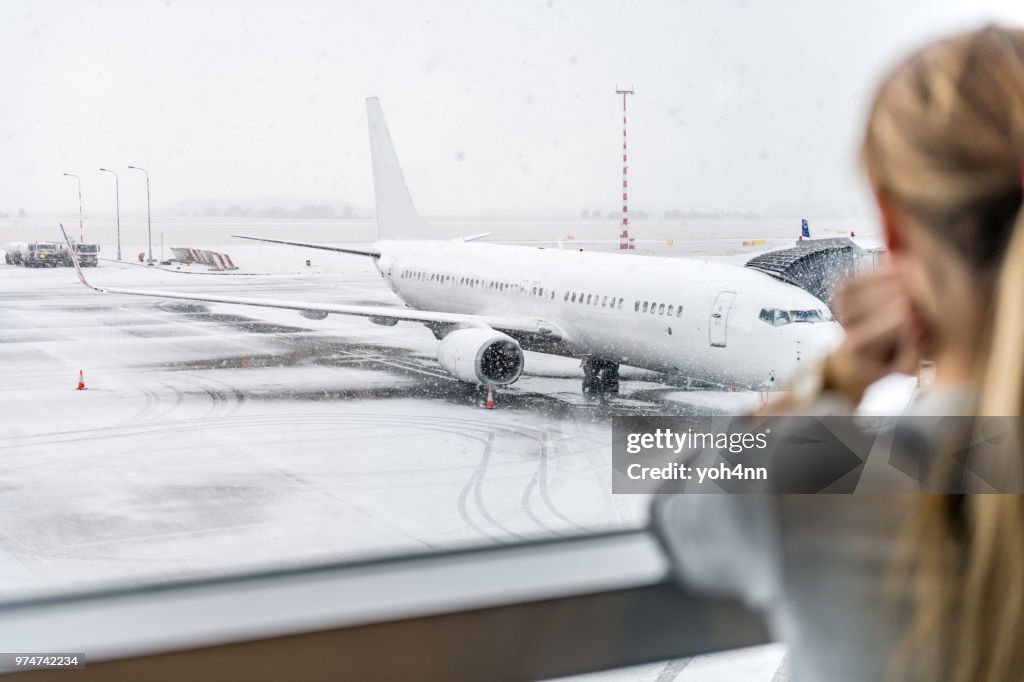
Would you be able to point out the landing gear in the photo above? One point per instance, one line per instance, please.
(600, 377)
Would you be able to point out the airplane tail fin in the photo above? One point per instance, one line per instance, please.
(396, 216)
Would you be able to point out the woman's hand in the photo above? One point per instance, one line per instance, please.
(883, 335)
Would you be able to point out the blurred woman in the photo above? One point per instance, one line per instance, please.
(944, 153)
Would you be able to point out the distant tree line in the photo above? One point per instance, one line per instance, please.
(673, 214)
(308, 211)
(597, 215)
(676, 214)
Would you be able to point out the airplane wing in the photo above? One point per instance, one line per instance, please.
(517, 324)
(326, 247)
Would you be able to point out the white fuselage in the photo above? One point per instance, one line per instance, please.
(694, 318)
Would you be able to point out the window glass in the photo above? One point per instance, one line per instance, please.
(349, 438)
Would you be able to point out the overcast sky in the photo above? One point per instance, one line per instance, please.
(495, 107)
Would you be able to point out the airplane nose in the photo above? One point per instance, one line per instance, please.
(824, 338)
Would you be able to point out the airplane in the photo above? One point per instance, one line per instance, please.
(487, 302)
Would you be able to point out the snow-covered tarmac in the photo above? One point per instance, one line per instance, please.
(217, 438)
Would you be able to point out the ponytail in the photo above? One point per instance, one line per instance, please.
(969, 574)
(1003, 393)
(946, 133)
(991, 608)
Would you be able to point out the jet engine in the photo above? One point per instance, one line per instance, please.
(481, 356)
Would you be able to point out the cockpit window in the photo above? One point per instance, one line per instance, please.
(805, 315)
(777, 318)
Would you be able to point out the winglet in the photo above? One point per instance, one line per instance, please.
(74, 259)
(396, 215)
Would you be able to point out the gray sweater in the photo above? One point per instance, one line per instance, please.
(818, 566)
(815, 564)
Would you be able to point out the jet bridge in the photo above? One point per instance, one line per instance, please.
(815, 265)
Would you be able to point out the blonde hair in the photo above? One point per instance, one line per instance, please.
(945, 142)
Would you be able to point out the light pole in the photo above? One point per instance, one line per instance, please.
(149, 219)
(81, 231)
(117, 206)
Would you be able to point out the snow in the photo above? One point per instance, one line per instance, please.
(218, 438)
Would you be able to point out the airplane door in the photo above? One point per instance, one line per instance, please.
(720, 318)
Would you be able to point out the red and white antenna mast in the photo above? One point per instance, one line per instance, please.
(626, 242)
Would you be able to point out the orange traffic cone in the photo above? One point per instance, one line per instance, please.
(490, 398)
(81, 381)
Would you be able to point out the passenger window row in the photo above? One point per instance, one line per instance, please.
(653, 308)
(535, 290)
(474, 283)
(540, 291)
(593, 299)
